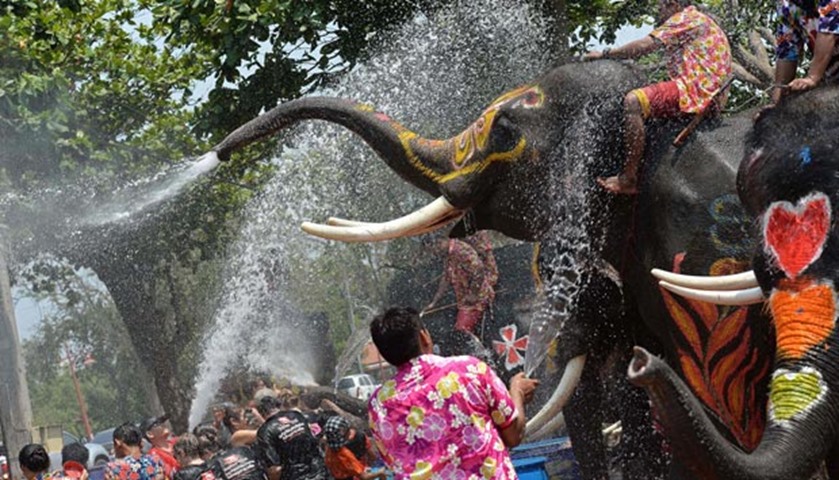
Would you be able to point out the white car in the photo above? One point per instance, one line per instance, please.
(359, 386)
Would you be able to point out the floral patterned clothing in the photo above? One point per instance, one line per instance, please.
(799, 21)
(473, 281)
(146, 467)
(440, 418)
(698, 54)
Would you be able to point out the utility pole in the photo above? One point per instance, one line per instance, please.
(71, 361)
(15, 407)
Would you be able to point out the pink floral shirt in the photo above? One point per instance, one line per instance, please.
(440, 418)
(698, 54)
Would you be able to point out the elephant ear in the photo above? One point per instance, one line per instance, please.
(720, 361)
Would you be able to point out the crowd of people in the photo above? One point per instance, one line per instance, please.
(436, 412)
(273, 440)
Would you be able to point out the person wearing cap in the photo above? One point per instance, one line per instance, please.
(156, 430)
(450, 417)
(131, 463)
(34, 462)
(74, 457)
(347, 451)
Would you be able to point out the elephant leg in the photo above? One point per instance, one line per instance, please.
(584, 418)
(833, 463)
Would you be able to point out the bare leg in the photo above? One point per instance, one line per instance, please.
(634, 141)
(784, 73)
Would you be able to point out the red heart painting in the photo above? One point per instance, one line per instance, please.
(795, 235)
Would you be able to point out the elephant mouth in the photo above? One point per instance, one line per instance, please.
(432, 217)
(738, 289)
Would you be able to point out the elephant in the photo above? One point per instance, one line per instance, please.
(787, 181)
(526, 168)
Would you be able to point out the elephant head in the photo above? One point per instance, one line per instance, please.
(788, 181)
(486, 170)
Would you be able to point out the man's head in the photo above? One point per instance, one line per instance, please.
(74, 458)
(337, 431)
(668, 8)
(33, 460)
(186, 449)
(234, 418)
(400, 335)
(127, 437)
(156, 430)
(208, 443)
(268, 406)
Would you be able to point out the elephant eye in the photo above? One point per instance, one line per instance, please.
(505, 134)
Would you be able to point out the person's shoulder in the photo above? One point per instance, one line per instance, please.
(463, 361)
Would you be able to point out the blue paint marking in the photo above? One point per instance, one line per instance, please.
(806, 156)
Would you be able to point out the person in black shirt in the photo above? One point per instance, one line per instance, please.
(237, 463)
(285, 440)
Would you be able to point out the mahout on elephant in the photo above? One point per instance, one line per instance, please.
(526, 168)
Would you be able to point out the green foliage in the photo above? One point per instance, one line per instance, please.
(115, 387)
(265, 51)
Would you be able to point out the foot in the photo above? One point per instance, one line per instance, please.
(619, 184)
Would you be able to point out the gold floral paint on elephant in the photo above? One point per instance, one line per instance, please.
(468, 150)
(474, 139)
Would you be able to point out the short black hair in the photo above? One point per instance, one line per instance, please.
(232, 412)
(396, 333)
(267, 404)
(129, 434)
(208, 442)
(75, 452)
(188, 446)
(34, 457)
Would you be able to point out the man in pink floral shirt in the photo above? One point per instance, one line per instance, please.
(451, 418)
(699, 64)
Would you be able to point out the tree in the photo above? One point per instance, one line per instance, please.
(86, 327)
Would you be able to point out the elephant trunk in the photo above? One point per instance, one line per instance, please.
(792, 446)
(419, 161)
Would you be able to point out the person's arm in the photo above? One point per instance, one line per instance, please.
(822, 53)
(243, 438)
(521, 391)
(441, 290)
(634, 49)
(370, 475)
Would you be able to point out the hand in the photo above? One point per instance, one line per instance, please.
(274, 473)
(801, 84)
(593, 55)
(523, 386)
(763, 111)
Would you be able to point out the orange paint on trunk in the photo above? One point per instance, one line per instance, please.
(804, 314)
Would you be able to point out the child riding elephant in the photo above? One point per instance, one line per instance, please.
(699, 63)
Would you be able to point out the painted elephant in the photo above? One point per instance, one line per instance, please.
(788, 181)
(526, 167)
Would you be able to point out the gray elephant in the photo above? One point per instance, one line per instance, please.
(526, 168)
(788, 181)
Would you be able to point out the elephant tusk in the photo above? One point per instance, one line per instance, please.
(553, 408)
(340, 222)
(747, 296)
(737, 281)
(548, 429)
(431, 217)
